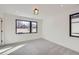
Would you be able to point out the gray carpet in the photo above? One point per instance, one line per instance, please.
(43, 47)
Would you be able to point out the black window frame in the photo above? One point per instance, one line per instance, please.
(75, 15)
(30, 27)
(16, 26)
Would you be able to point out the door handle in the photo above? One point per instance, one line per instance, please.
(1, 20)
(1, 30)
(1, 41)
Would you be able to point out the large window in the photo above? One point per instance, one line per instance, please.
(24, 26)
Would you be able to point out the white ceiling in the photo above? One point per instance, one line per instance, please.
(25, 9)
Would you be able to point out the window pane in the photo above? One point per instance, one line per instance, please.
(23, 26)
(34, 27)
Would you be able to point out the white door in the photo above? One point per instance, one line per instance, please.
(1, 32)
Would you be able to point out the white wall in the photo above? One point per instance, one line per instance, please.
(56, 26)
(10, 35)
(9, 13)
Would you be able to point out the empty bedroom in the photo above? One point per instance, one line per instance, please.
(39, 29)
